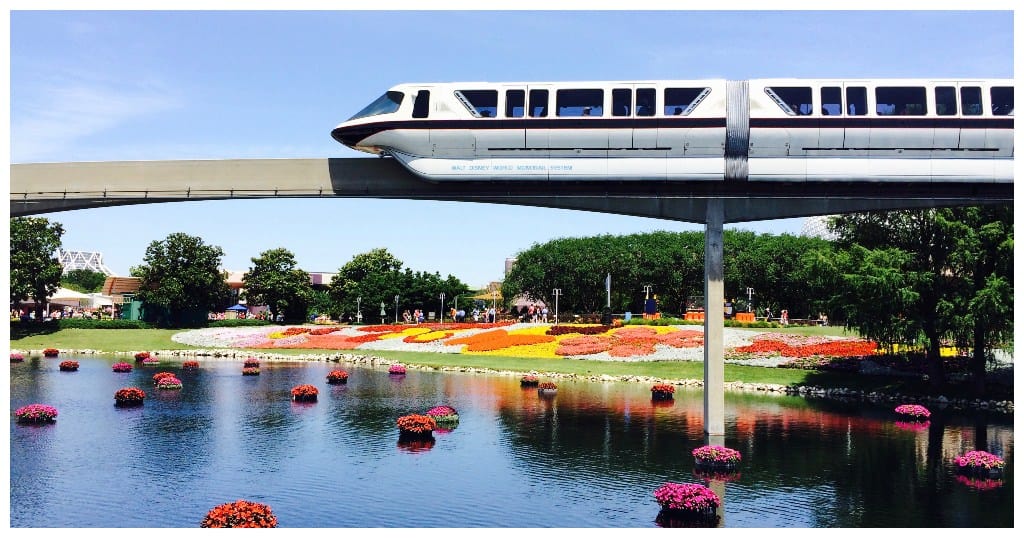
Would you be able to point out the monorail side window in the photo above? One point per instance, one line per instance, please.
(795, 101)
(945, 100)
(970, 100)
(645, 101)
(900, 101)
(538, 103)
(622, 101)
(831, 101)
(856, 101)
(572, 103)
(421, 108)
(682, 101)
(515, 103)
(482, 103)
(1002, 100)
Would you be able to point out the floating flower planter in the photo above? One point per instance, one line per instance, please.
(396, 369)
(160, 375)
(190, 365)
(913, 411)
(36, 414)
(716, 457)
(129, 396)
(412, 427)
(68, 366)
(50, 352)
(662, 392)
(17, 357)
(251, 363)
(529, 381)
(337, 377)
(150, 361)
(304, 393)
(122, 367)
(250, 371)
(240, 514)
(168, 382)
(687, 504)
(445, 416)
(980, 464)
(547, 388)
(142, 355)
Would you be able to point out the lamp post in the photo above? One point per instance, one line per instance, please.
(359, 310)
(494, 305)
(556, 292)
(442, 307)
(750, 292)
(396, 310)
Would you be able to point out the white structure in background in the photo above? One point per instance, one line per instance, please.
(75, 259)
(817, 227)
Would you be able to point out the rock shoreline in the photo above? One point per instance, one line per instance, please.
(842, 394)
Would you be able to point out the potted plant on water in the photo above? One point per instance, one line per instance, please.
(129, 396)
(716, 457)
(250, 371)
(251, 363)
(396, 369)
(141, 355)
(68, 366)
(160, 375)
(529, 380)
(50, 352)
(17, 357)
(416, 427)
(36, 414)
(240, 514)
(168, 382)
(190, 365)
(980, 463)
(445, 416)
(687, 502)
(547, 388)
(337, 377)
(304, 393)
(122, 367)
(913, 411)
(662, 391)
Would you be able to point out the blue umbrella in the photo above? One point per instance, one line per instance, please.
(238, 308)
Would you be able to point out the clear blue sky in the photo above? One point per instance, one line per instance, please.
(107, 85)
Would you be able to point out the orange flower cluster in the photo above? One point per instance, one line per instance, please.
(337, 376)
(628, 342)
(499, 339)
(304, 393)
(190, 365)
(839, 348)
(547, 385)
(160, 375)
(416, 424)
(583, 345)
(631, 349)
(663, 388)
(324, 330)
(50, 352)
(69, 366)
(240, 514)
(292, 331)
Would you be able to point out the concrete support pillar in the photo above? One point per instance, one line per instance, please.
(714, 310)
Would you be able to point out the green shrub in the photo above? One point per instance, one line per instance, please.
(88, 323)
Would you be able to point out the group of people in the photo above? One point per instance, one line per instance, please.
(459, 316)
(533, 314)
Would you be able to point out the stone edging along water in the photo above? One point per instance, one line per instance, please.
(1003, 406)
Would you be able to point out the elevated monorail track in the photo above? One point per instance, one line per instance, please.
(38, 188)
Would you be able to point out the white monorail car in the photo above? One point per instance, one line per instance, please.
(903, 130)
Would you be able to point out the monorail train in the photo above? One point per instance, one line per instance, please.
(900, 130)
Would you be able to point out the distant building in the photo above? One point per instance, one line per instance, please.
(72, 260)
(817, 227)
(509, 263)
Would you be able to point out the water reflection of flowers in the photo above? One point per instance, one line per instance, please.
(250, 371)
(674, 519)
(914, 426)
(721, 475)
(980, 484)
(416, 445)
(240, 514)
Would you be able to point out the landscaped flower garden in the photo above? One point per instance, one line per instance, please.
(571, 341)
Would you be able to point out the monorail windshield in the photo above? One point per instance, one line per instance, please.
(385, 104)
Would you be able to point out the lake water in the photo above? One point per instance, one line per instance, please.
(591, 456)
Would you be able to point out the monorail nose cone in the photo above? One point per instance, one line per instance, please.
(351, 135)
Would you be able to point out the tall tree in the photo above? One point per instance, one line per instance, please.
(182, 273)
(369, 279)
(275, 280)
(35, 269)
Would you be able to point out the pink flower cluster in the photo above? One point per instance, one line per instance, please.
(687, 497)
(36, 413)
(17, 357)
(396, 369)
(442, 411)
(979, 459)
(913, 410)
(168, 382)
(716, 455)
(122, 367)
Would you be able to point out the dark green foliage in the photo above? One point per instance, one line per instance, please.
(83, 280)
(34, 269)
(182, 275)
(276, 281)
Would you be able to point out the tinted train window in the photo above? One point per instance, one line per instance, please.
(384, 104)
(831, 101)
(482, 103)
(645, 101)
(856, 100)
(421, 108)
(900, 101)
(515, 103)
(970, 100)
(796, 101)
(573, 103)
(538, 103)
(682, 101)
(622, 101)
(945, 101)
(1002, 101)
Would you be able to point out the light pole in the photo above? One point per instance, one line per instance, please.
(750, 292)
(396, 310)
(442, 307)
(359, 310)
(557, 292)
(494, 305)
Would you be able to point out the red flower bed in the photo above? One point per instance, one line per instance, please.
(583, 345)
(416, 424)
(141, 355)
(292, 331)
(129, 396)
(69, 366)
(838, 348)
(304, 393)
(122, 367)
(631, 349)
(324, 330)
(558, 330)
(240, 514)
(50, 352)
(337, 377)
(499, 339)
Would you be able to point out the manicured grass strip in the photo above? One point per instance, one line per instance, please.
(108, 340)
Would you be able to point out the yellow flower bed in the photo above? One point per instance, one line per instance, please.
(539, 351)
(405, 332)
(542, 329)
(898, 348)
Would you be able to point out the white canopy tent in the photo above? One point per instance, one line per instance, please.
(66, 297)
